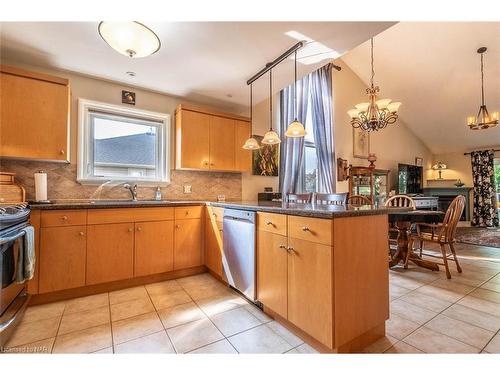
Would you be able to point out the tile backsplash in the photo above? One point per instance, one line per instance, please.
(62, 183)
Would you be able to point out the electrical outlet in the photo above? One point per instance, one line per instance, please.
(187, 189)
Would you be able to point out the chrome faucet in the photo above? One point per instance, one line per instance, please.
(132, 189)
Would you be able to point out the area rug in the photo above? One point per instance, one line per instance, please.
(479, 236)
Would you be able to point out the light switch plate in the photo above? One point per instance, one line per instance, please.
(187, 189)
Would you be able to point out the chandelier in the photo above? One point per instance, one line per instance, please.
(483, 120)
(376, 114)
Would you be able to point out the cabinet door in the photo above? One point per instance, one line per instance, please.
(310, 289)
(110, 252)
(62, 258)
(34, 118)
(213, 244)
(192, 140)
(187, 244)
(221, 143)
(272, 271)
(242, 158)
(154, 247)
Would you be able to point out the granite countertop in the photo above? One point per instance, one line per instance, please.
(297, 209)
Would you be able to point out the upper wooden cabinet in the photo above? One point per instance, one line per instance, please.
(34, 115)
(208, 140)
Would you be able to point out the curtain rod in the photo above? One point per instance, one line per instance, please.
(468, 153)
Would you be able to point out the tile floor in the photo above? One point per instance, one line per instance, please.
(198, 314)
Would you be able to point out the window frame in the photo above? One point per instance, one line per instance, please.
(85, 142)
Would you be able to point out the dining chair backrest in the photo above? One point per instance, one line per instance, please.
(299, 198)
(452, 217)
(359, 200)
(339, 199)
(400, 201)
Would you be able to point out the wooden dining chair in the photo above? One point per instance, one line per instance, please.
(359, 200)
(299, 198)
(338, 199)
(400, 201)
(441, 233)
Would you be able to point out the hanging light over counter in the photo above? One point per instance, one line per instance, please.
(295, 129)
(251, 143)
(271, 137)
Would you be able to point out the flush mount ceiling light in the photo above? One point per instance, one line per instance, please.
(131, 38)
(295, 129)
(483, 120)
(271, 137)
(251, 143)
(376, 114)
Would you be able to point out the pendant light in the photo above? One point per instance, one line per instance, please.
(483, 120)
(251, 143)
(295, 129)
(271, 137)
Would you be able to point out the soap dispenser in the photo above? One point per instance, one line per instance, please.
(158, 194)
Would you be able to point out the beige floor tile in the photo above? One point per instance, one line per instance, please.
(83, 320)
(305, 349)
(193, 335)
(123, 295)
(163, 287)
(480, 304)
(396, 291)
(381, 345)
(104, 351)
(426, 301)
(403, 348)
(490, 285)
(234, 321)
(86, 303)
(417, 274)
(162, 301)
(486, 294)
(219, 347)
(474, 317)
(258, 313)
(430, 341)
(40, 312)
(86, 341)
(464, 332)
(441, 293)
(131, 308)
(259, 340)
(399, 327)
(135, 327)
(155, 343)
(288, 336)
(218, 304)
(451, 284)
(208, 290)
(27, 333)
(197, 280)
(412, 312)
(180, 314)
(407, 283)
(38, 347)
(467, 277)
(494, 345)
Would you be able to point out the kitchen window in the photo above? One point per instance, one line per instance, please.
(122, 144)
(310, 164)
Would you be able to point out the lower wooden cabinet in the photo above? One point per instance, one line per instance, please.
(213, 244)
(62, 258)
(110, 252)
(154, 247)
(187, 243)
(272, 265)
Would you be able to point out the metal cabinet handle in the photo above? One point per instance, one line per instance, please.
(62, 152)
(205, 162)
(187, 213)
(282, 247)
(290, 249)
(269, 223)
(178, 226)
(305, 229)
(130, 229)
(81, 234)
(139, 229)
(65, 217)
(212, 164)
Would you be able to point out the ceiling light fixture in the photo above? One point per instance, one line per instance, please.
(251, 143)
(131, 38)
(271, 137)
(483, 120)
(376, 114)
(295, 129)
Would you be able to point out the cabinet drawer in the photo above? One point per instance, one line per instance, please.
(188, 212)
(310, 229)
(59, 218)
(274, 223)
(129, 215)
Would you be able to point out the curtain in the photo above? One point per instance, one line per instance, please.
(321, 111)
(292, 149)
(484, 209)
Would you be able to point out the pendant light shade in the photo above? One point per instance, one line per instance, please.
(131, 39)
(295, 129)
(271, 137)
(251, 143)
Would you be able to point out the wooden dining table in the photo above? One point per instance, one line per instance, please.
(403, 221)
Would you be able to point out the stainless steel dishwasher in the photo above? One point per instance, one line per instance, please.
(239, 250)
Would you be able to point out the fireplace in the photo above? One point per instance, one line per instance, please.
(446, 196)
(444, 202)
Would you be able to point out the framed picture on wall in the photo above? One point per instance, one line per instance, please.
(419, 162)
(265, 160)
(360, 143)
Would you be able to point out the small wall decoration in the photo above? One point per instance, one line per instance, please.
(128, 97)
(265, 160)
(360, 143)
(342, 169)
(419, 162)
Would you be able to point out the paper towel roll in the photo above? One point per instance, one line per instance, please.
(40, 186)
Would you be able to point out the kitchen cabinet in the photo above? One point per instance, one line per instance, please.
(192, 132)
(242, 157)
(34, 115)
(187, 243)
(213, 241)
(154, 247)
(110, 252)
(222, 141)
(62, 258)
